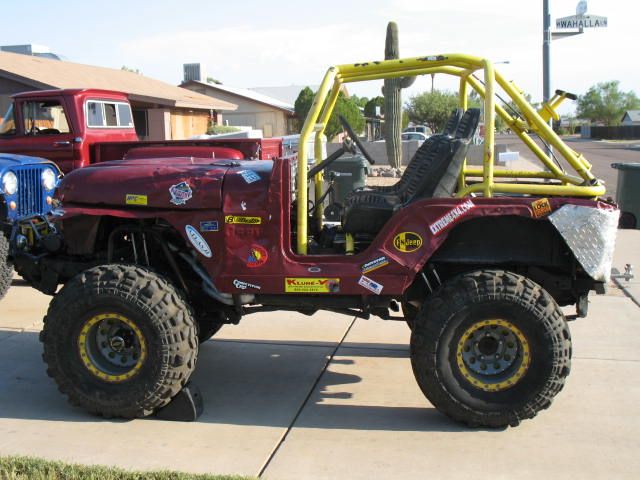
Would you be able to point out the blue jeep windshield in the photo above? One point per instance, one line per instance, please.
(8, 125)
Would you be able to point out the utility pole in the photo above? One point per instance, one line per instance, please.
(546, 51)
(546, 60)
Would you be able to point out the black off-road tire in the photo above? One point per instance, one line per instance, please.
(154, 307)
(6, 268)
(208, 325)
(465, 303)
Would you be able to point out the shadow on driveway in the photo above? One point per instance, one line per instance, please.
(243, 383)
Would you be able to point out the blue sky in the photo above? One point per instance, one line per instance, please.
(251, 43)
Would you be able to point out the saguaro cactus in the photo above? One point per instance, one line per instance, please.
(393, 100)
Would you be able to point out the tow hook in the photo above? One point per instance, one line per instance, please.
(627, 275)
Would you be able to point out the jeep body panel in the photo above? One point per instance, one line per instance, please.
(249, 238)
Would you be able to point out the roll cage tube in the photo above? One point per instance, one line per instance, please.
(584, 184)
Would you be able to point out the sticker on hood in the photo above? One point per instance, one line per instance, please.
(199, 243)
(180, 193)
(249, 176)
(451, 216)
(133, 199)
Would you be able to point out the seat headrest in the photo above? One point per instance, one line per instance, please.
(452, 123)
(468, 124)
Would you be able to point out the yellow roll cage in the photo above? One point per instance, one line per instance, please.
(584, 184)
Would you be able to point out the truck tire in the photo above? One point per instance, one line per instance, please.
(208, 325)
(119, 341)
(490, 348)
(6, 268)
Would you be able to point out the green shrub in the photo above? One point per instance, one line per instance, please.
(220, 129)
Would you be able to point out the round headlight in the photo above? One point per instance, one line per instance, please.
(48, 179)
(9, 183)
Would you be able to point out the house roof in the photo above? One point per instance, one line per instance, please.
(45, 73)
(247, 94)
(287, 94)
(634, 115)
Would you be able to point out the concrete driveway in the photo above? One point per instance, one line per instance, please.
(289, 396)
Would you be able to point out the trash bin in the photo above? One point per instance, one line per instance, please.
(628, 194)
(349, 172)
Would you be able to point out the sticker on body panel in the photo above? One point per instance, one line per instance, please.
(132, 199)
(311, 285)
(199, 243)
(451, 216)
(242, 220)
(257, 257)
(370, 285)
(249, 176)
(209, 226)
(180, 193)
(541, 207)
(239, 284)
(407, 242)
(375, 264)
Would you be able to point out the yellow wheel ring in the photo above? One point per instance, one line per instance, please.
(517, 369)
(85, 356)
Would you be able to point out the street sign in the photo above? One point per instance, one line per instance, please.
(581, 21)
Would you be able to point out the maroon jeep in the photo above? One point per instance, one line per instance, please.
(155, 255)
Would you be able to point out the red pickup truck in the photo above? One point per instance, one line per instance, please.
(78, 127)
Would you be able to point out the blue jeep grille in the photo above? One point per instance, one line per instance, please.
(30, 191)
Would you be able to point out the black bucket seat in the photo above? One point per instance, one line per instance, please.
(436, 175)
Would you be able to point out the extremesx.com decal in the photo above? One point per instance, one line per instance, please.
(451, 216)
(258, 256)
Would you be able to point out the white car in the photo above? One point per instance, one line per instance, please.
(408, 136)
(418, 128)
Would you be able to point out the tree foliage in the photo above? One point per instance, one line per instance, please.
(604, 102)
(432, 108)
(360, 101)
(302, 105)
(213, 81)
(370, 107)
(346, 107)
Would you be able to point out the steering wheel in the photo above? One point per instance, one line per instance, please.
(347, 146)
(355, 139)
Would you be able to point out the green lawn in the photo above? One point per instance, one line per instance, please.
(28, 468)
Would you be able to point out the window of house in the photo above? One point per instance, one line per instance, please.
(45, 117)
(105, 114)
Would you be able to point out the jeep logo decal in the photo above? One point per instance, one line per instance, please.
(407, 242)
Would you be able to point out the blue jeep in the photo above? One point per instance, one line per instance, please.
(26, 191)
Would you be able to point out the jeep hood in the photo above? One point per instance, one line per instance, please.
(184, 183)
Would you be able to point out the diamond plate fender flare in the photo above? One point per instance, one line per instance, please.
(590, 233)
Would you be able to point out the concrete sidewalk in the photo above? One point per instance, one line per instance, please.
(329, 397)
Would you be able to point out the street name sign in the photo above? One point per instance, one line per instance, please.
(581, 21)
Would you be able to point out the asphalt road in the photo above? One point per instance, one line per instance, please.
(601, 154)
